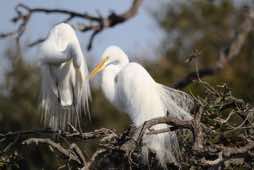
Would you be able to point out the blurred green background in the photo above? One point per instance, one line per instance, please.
(203, 25)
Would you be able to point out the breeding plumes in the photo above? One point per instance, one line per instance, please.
(130, 88)
(65, 90)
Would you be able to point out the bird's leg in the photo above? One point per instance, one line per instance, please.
(58, 93)
(75, 106)
(73, 95)
(56, 83)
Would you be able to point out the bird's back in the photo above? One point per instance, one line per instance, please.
(61, 35)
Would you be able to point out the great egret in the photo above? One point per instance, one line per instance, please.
(130, 88)
(65, 90)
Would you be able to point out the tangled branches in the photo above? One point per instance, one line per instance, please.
(220, 135)
(227, 123)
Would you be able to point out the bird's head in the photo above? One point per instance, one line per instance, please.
(113, 55)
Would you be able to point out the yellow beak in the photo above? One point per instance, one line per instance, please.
(98, 68)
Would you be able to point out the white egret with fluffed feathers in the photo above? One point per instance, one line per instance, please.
(131, 89)
(65, 90)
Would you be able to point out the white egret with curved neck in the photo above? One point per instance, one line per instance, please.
(130, 88)
(65, 90)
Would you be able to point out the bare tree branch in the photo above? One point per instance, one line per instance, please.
(225, 57)
(79, 153)
(136, 138)
(66, 153)
(122, 151)
(98, 23)
(98, 133)
(227, 153)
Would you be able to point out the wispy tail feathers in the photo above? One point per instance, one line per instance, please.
(165, 146)
(177, 103)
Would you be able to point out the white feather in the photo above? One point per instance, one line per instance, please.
(145, 103)
(65, 91)
(177, 103)
(131, 89)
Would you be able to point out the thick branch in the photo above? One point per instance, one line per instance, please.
(234, 151)
(227, 153)
(98, 133)
(140, 131)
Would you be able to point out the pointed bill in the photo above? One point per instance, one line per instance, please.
(98, 68)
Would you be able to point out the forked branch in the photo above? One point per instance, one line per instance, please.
(97, 23)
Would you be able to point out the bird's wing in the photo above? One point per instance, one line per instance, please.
(51, 54)
(49, 95)
(178, 103)
(81, 83)
(82, 88)
(141, 98)
(67, 70)
(142, 95)
(137, 94)
(55, 65)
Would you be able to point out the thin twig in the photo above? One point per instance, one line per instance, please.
(224, 57)
(67, 153)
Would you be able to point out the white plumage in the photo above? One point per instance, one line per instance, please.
(65, 90)
(130, 88)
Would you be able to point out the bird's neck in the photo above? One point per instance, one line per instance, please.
(109, 82)
(78, 57)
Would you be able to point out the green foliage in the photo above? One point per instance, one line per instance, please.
(207, 27)
(19, 95)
